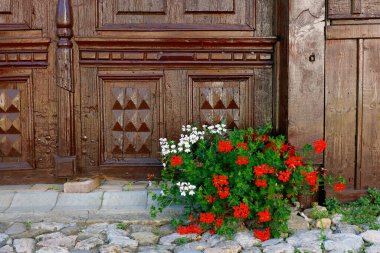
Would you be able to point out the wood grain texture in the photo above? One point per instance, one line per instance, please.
(341, 107)
(370, 162)
(5, 7)
(353, 9)
(141, 6)
(176, 15)
(306, 73)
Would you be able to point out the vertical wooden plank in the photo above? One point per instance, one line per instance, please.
(5, 6)
(340, 120)
(306, 73)
(356, 6)
(371, 115)
(263, 97)
(359, 124)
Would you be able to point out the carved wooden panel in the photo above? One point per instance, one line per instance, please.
(131, 111)
(15, 123)
(15, 14)
(5, 6)
(236, 15)
(141, 6)
(221, 98)
(345, 9)
(210, 6)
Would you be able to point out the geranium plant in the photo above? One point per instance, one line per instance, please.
(228, 180)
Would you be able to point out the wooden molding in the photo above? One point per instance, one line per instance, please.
(370, 31)
(176, 52)
(65, 161)
(116, 16)
(24, 52)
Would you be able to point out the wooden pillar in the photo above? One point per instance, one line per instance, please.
(65, 159)
(301, 26)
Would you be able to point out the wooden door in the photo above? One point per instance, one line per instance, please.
(123, 73)
(352, 84)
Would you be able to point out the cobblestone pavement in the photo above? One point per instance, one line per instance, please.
(113, 237)
(115, 218)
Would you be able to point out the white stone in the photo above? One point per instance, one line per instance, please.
(170, 239)
(124, 242)
(24, 245)
(145, 238)
(96, 228)
(252, 250)
(343, 242)
(48, 226)
(52, 249)
(246, 239)
(3, 238)
(6, 249)
(225, 247)
(192, 246)
(63, 241)
(373, 249)
(271, 242)
(279, 248)
(113, 231)
(323, 223)
(337, 218)
(372, 236)
(111, 249)
(89, 243)
(212, 239)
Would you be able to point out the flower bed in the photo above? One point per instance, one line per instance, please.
(228, 180)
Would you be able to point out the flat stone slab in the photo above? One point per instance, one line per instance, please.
(33, 201)
(6, 199)
(15, 187)
(79, 201)
(124, 200)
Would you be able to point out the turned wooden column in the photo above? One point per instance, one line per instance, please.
(65, 159)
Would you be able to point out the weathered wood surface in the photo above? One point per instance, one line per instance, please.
(304, 95)
(352, 77)
(341, 108)
(120, 74)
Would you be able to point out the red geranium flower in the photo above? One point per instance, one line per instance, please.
(224, 146)
(176, 160)
(264, 216)
(242, 145)
(339, 187)
(311, 177)
(224, 192)
(261, 183)
(210, 199)
(207, 218)
(241, 211)
(319, 146)
(220, 180)
(262, 235)
(190, 229)
(242, 160)
(292, 150)
(212, 231)
(293, 161)
(284, 176)
(218, 222)
(261, 170)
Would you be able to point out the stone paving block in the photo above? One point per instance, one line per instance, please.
(79, 201)
(47, 187)
(15, 187)
(81, 186)
(6, 199)
(31, 201)
(124, 200)
(111, 188)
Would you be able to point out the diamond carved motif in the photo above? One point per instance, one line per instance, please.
(10, 124)
(220, 105)
(131, 121)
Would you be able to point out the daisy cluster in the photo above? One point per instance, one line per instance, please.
(190, 136)
(217, 129)
(186, 188)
